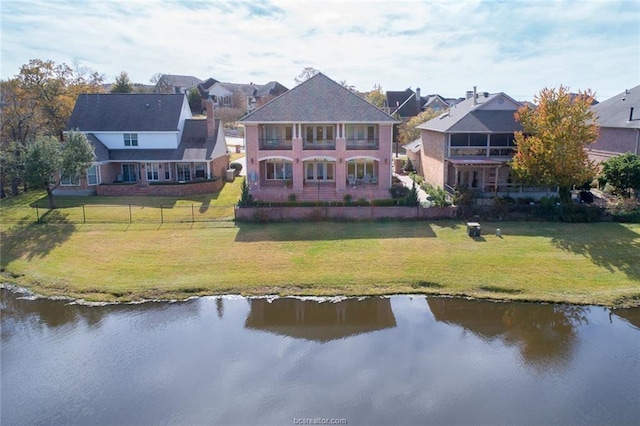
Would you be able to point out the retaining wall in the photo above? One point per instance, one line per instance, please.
(269, 214)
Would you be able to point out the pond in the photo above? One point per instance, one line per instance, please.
(397, 360)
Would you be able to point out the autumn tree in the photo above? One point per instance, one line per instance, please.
(38, 101)
(47, 160)
(408, 132)
(623, 173)
(377, 96)
(550, 149)
(123, 84)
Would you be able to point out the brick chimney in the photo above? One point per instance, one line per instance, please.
(211, 124)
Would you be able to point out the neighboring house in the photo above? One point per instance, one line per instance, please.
(618, 119)
(318, 141)
(245, 97)
(470, 145)
(147, 144)
(169, 83)
(407, 103)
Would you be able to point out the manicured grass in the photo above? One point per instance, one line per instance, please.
(556, 262)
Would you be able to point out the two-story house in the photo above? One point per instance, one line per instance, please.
(618, 120)
(245, 97)
(148, 144)
(318, 141)
(470, 146)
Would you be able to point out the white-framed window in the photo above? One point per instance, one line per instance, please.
(153, 171)
(362, 169)
(277, 132)
(183, 172)
(129, 172)
(66, 181)
(200, 170)
(167, 171)
(130, 139)
(278, 169)
(92, 175)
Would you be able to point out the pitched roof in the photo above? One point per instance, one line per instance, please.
(272, 88)
(467, 117)
(615, 111)
(403, 103)
(320, 100)
(116, 112)
(180, 80)
(194, 146)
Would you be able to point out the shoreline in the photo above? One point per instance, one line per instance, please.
(32, 295)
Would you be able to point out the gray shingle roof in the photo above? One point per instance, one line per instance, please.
(180, 80)
(614, 112)
(466, 117)
(319, 100)
(117, 112)
(194, 146)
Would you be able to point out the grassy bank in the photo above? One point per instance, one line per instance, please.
(556, 262)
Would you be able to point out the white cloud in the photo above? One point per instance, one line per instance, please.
(443, 46)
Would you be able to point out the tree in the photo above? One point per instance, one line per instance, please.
(47, 160)
(550, 149)
(122, 84)
(623, 173)
(39, 101)
(409, 132)
(377, 96)
(162, 85)
(412, 199)
(195, 100)
(306, 74)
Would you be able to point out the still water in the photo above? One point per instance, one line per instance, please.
(391, 361)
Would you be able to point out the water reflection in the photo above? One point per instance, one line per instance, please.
(545, 335)
(320, 322)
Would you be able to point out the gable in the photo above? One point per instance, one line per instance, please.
(321, 100)
(120, 112)
(500, 101)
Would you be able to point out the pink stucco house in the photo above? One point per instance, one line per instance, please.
(618, 120)
(320, 142)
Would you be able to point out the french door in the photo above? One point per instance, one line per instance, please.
(320, 171)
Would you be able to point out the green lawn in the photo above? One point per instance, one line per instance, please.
(556, 262)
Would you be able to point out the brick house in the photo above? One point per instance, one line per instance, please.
(147, 144)
(320, 142)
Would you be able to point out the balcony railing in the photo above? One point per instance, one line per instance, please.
(362, 144)
(319, 144)
(273, 144)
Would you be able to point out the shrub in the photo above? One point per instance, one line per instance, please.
(292, 197)
(347, 198)
(409, 166)
(398, 191)
(246, 199)
(411, 199)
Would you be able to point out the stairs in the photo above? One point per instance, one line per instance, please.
(321, 192)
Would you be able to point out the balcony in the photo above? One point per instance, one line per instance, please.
(362, 144)
(275, 144)
(327, 144)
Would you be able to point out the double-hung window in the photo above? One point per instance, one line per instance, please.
(130, 139)
(92, 175)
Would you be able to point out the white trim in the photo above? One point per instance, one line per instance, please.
(319, 158)
(275, 157)
(362, 157)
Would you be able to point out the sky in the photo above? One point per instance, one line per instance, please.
(441, 46)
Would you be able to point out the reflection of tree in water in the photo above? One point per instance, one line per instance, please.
(544, 334)
(41, 313)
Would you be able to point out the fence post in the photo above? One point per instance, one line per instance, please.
(37, 215)
(84, 216)
(129, 213)
(161, 214)
(193, 219)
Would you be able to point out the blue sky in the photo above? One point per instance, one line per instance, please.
(441, 46)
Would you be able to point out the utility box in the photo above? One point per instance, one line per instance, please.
(231, 175)
(474, 229)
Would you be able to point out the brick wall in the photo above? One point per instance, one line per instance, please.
(176, 190)
(346, 213)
